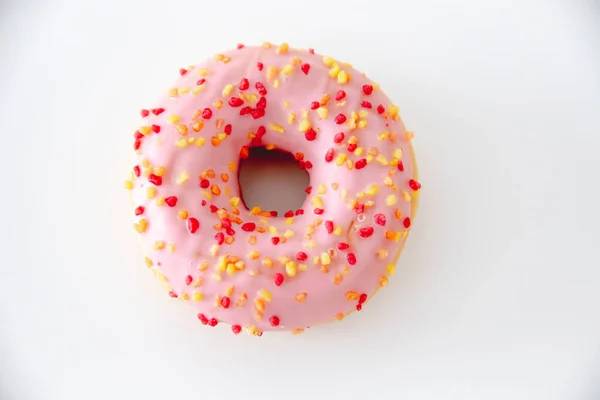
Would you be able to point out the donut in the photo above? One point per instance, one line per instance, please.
(253, 269)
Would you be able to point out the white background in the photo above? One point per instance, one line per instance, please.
(498, 290)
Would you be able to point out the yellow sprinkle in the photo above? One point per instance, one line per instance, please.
(276, 83)
(287, 70)
(322, 189)
(390, 200)
(203, 266)
(398, 154)
(183, 90)
(221, 136)
(272, 72)
(159, 245)
(160, 170)
(297, 331)
(276, 128)
(141, 226)
(214, 250)
(362, 124)
(311, 244)
(181, 143)
(183, 177)
(170, 247)
(173, 119)
(325, 259)
(182, 214)
(391, 269)
(328, 61)
(372, 190)
(255, 210)
(290, 268)
(265, 295)
(173, 92)
(359, 151)
(145, 130)
(160, 201)
(150, 192)
(292, 118)
(322, 111)
(393, 110)
(317, 202)
(198, 89)
(231, 270)
(272, 230)
(232, 166)
(304, 125)
(203, 71)
(128, 185)
(282, 48)
(266, 45)
(344, 193)
(334, 71)
(234, 201)
(337, 231)
(148, 262)
(340, 159)
(363, 114)
(289, 221)
(286, 104)
(191, 140)
(227, 90)
(197, 296)
(342, 77)
(406, 196)
(288, 233)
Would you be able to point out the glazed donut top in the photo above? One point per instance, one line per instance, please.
(250, 268)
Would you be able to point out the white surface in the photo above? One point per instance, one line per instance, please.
(497, 295)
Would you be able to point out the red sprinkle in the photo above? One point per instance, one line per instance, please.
(380, 109)
(365, 232)
(274, 320)
(139, 210)
(273, 213)
(311, 51)
(225, 302)
(256, 113)
(155, 179)
(136, 170)
(220, 238)
(245, 110)
(259, 65)
(362, 298)
(314, 105)
(308, 190)
(339, 137)
(300, 211)
(329, 226)
(262, 103)
(367, 89)
(213, 208)
(329, 155)
(188, 280)
(308, 165)
(319, 211)
(227, 129)
(206, 113)
(343, 246)
(244, 84)
(340, 119)
(275, 240)
(157, 111)
(213, 322)
(204, 183)
(203, 203)
(400, 166)
(226, 223)
(351, 147)
(379, 219)
(310, 134)
(351, 258)
(414, 185)
(261, 89)
(249, 226)
(137, 144)
(193, 225)
(173, 294)
(138, 135)
(144, 113)
(305, 68)
(339, 95)
(155, 128)
(235, 101)
(236, 329)
(360, 208)
(203, 319)
(182, 71)
(200, 81)
(289, 214)
(358, 307)
(406, 222)
(366, 104)
(301, 256)
(171, 201)
(278, 279)
(360, 164)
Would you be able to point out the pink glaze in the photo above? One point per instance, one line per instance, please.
(331, 282)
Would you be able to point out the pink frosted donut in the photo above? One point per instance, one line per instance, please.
(251, 268)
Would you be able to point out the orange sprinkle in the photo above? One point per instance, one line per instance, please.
(301, 297)
(352, 296)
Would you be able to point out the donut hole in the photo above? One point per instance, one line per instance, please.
(272, 180)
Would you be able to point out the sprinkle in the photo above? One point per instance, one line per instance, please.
(406, 222)
(290, 268)
(390, 200)
(340, 119)
(334, 71)
(282, 48)
(305, 68)
(367, 89)
(182, 214)
(276, 128)
(328, 61)
(365, 232)
(310, 134)
(304, 125)
(414, 185)
(380, 109)
(342, 77)
(274, 320)
(171, 201)
(287, 70)
(193, 225)
(340, 159)
(265, 295)
(259, 65)
(159, 245)
(352, 296)
(339, 95)
(278, 279)
(301, 297)
(325, 259)
(173, 119)
(128, 185)
(272, 71)
(235, 101)
(207, 113)
(248, 226)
